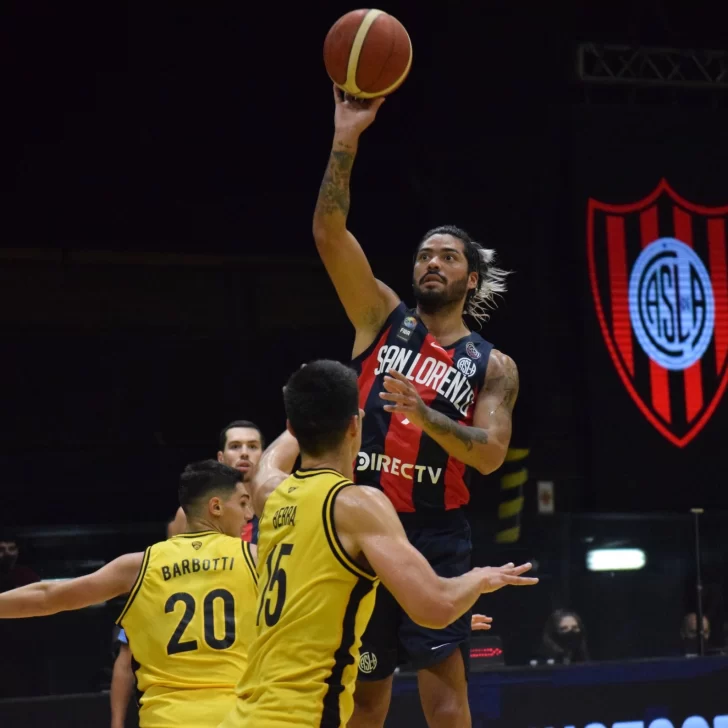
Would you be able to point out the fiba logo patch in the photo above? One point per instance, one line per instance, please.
(671, 304)
(471, 351)
(410, 323)
(197, 545)
(367, 662)
(466, 366)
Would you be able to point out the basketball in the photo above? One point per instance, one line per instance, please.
(367, 53)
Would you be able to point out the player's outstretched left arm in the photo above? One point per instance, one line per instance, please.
(44, 597)
(274, 467)
(369, 527)
(482, 446)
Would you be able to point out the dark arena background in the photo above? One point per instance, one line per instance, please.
(158, 279)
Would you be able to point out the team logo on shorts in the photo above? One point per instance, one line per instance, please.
(466, 366)
(659, 279)
(197, 545)
(367, 662)
(410, 323)
(471, 351)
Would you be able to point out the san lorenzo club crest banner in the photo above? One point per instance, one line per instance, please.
(659, 279)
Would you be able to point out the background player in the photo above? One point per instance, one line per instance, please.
(438, 399)
(241, 444)
(190, 614)
(323, 547)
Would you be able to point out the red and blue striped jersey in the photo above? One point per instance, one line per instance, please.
(398, 457)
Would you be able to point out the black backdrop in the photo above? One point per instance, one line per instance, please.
(159, 277)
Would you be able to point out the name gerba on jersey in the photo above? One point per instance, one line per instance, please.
(285, 516)
(429, 372)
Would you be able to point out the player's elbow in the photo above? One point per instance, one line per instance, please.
(323, 234)
(490, 459)
(45, 601)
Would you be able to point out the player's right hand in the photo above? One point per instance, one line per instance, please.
(354, 115)
(496, 577)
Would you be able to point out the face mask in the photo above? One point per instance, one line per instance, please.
(569, 641)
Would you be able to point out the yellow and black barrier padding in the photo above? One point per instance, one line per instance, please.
(513, 476)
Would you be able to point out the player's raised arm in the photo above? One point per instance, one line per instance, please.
(275, 466)
(44, 598)
(367, 523)
(367, 301)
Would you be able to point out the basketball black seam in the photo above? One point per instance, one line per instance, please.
(386, 60)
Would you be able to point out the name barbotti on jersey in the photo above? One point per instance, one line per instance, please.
(433, 373)
(193, 566)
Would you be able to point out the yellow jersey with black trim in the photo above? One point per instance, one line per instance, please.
(190, 621)
(313, 606)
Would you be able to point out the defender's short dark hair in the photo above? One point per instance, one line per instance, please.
(204, 479)
(320, 400)
(222, 439)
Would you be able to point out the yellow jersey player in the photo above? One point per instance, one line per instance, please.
(324, 545)
(190, 615)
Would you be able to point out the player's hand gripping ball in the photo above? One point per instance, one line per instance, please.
(368, 53)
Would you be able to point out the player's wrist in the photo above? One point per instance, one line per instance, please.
(346, 139)
(422, 416)
(484, 579)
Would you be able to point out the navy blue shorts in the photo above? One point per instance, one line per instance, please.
(391, 638)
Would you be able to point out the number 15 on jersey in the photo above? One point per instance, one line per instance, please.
(275, 581)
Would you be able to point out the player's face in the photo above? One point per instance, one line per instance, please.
(441, 275)
(242, 450)
(236, 512)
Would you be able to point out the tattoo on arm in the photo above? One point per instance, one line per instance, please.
(334, 192)
(441, 424)
(506, 384)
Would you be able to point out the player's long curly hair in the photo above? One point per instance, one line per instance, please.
(491, 279)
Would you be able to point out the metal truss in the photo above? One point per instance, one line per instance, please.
(618, 65)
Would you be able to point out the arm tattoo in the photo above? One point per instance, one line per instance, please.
(441, 424)
(334, 192)
(505, 383)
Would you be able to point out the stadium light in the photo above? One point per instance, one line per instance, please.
(615, 559)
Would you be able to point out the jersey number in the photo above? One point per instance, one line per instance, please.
(276, 577)
(175, 645)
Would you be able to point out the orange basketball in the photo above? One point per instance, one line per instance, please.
(367, 53)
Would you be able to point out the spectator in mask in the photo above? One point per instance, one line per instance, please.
(12, 575)
(689, 634)
(564, 639)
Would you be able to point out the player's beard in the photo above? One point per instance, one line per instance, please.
(433, 300)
